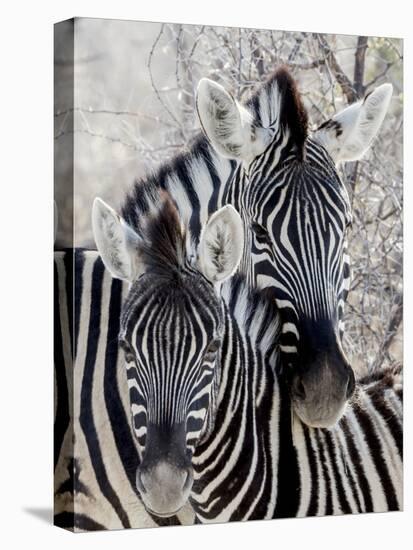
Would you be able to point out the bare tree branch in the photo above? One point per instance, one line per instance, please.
(359, 65)
(341, 77)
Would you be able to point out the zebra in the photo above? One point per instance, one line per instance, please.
(211, 415)
(95, 451)
(296, 213)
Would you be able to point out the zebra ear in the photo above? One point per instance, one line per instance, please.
(349, 134)
(116, 242)
(227, 124)
(221, 245)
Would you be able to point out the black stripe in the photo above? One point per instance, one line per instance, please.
(68, 263)
(62, 418)
(243, 465)
(332, 450)
(327, 480)
(313, 505)
(350, 476)
(376, 454)
(78, 288)
(69, 520)
(390, 419)
(363, 483)
(288, 493)
(120, 423)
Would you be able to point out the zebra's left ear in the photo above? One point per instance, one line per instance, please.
(349, 134)
(221, 245)
(227, 124)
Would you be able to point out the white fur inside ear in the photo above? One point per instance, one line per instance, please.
(116, 242)
(349, 134)
(227, 124)
(221, 245)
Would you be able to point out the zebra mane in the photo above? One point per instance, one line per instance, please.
(145, 197)
(278, 100)
(162, 247)
(384, 376)
(253, 309)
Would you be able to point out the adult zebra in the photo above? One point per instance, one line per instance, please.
(211, 416)
(296, 211)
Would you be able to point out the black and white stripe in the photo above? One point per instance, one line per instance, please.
(296, 215)
(96, 453)
(254, 461)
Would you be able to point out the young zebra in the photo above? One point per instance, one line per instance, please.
(95, 450)
(250, 153)
(213, 421)
(296, 211)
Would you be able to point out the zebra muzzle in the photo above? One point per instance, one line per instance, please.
(164, 487)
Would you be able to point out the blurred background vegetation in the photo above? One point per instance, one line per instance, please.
(134, 107)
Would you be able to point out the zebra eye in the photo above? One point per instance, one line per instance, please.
(127, 350)
(260, 231)
(212, 348)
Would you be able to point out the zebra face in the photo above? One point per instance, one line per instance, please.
(171, 330)
(296, 224)
(296, 211)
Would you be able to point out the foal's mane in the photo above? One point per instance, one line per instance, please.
(163, 240)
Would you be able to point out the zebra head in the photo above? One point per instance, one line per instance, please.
(296, 211)
(171, 330)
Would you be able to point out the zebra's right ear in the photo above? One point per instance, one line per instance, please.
(116, 242)
(227, 124)
(221, 245)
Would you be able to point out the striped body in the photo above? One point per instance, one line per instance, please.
(255, 462)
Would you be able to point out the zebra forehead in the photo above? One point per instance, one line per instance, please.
(313, 180)
(188, 301)
(278, 103)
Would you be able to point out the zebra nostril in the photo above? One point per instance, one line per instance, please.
(188, 480)
(139, 483)
(298, 388)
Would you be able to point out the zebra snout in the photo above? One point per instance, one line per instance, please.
(320, 392)
(164, 487)
(298, 388)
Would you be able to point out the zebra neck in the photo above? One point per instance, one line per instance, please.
(235, 465)
(252, 325)
(195, 179)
